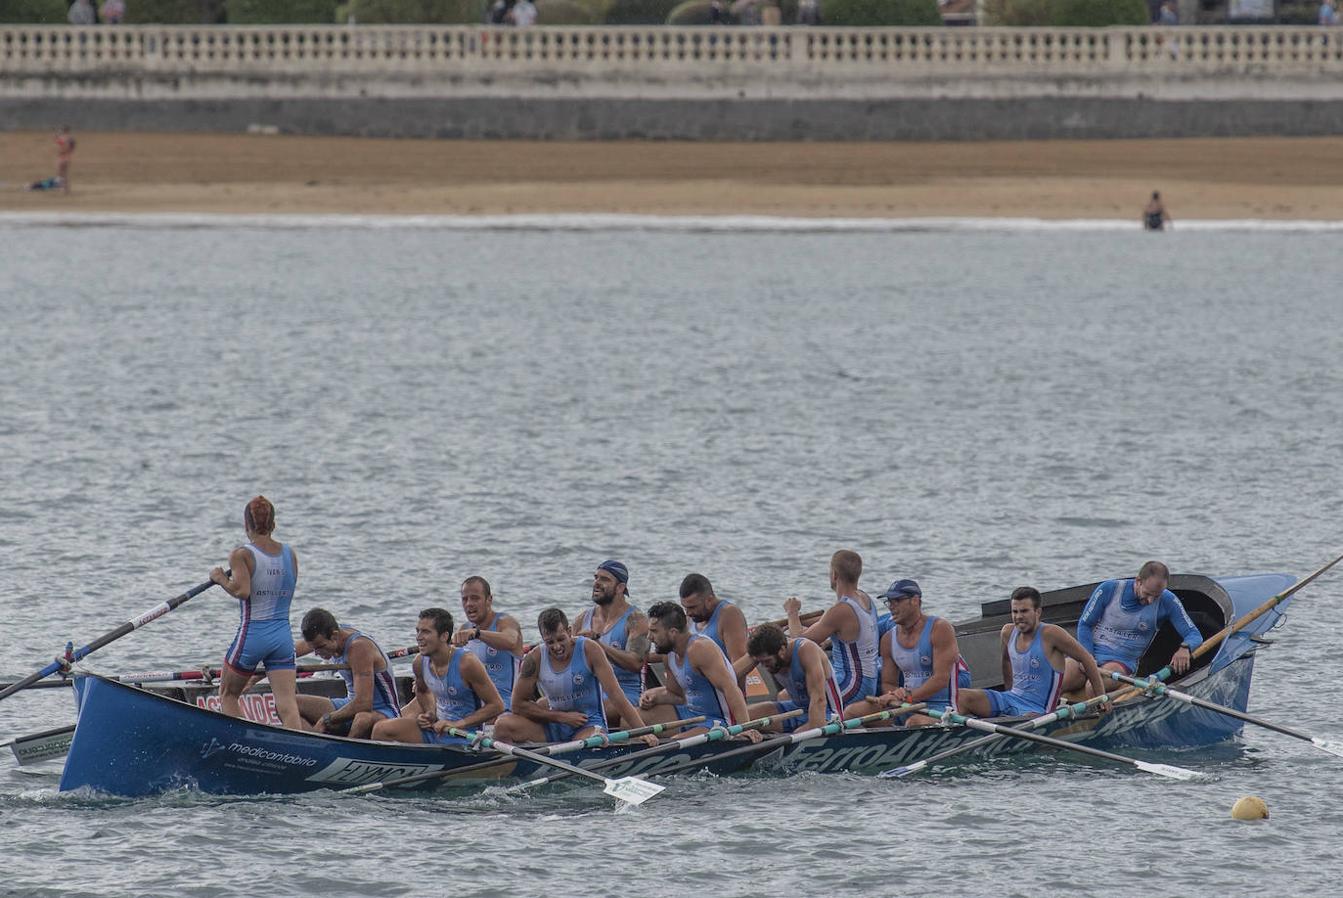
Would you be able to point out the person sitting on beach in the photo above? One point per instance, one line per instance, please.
(850, 625)
(1154, 215)
(493, 637)
(262, 576)
(573, 674)
(370, 688)
(1034, 656)
(1122, 618)
(804, 675)
(452, 688)
(697, 673)
(921, 661)
(619, 628)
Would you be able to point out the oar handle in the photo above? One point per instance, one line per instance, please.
(782, 623)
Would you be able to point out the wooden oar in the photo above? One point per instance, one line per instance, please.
(830, 729)
(133, 624)
(1128, 692)
(974, 723)
(629, 789)
(715, 734)
(1156, 687)
(558, 748)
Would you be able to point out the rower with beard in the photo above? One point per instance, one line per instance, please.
(572, 672)
(716, 618)
(851, 626)
(619, 628)
(801, 669)
(370, 687)
(452, 688)
(698, 674)
(493, 637)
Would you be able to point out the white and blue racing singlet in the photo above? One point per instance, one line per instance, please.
(710, 627)
(794, 679)
(1116, 626)
(631, 681)
(575, 688)
(273, 582)
(454, 698)
(1035, 682)
(702, 696)
(501, 666)
(385, 698)
(855, 662)
(916, 666)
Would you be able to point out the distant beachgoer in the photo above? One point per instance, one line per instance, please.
(717, 12)
(370, 687)
(1154, 216)
(1328, 13)
(523, 14)
(809, 12)
(65, 149)
(497, 14)
(452, 688)
(112, 12)
(82, 13)
(1168, 15)
(45, 184)
(263, 576)
(851, 626)
(1036, 668)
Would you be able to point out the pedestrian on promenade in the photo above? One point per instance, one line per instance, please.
(82, 13)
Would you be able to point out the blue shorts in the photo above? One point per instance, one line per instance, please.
(1009, 704)
(385, 710)
(1129, 665)
(265, 642)
(856, 689)
(562, 732)
(429, 737)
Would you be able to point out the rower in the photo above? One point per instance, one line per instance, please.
(851, 626)
(370, 688)
(921, 661)
(619, 628)
(1122, 618)
(1034, 655)
(716, 618)
(263, 575)
(493, 637)
(698, 674)
(573, 673)
(801, 668)
(452, 688)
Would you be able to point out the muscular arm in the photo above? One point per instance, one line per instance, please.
(524, 691)
(832, 623)
(945, 653)
(423, 695)
(709, 661)
(732, 628)
(508, 638)
(629, 715)
(237, 582)
(890, 671)
(813, 665)
(1056, 639)
(1006, 634)
(476, 677)
(361, 657)
(1171, 609)
(631, 657)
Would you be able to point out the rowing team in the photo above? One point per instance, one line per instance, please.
(587, 675)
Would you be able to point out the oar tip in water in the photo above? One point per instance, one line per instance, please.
(1171, 772)
(902, 772)
(632, 790)
(1329, 745)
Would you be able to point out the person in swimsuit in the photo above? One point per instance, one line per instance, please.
(619, 628)
(370, 687)
(1154, 216)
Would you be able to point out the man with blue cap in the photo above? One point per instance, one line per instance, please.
(619, 628)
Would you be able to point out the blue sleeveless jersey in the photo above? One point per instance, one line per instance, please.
(1036, 685)
(631, 681)
(794, 679)
(264, 636)
(575, 688)
(1115, 626)
(710, 627)
(702, 697)
(855, 662)
(500, 666)
(916, 667)
(454, 698)
(385, 699)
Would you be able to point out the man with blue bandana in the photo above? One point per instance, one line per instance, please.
(619, 628)
(1034, 655)
(1122, 618)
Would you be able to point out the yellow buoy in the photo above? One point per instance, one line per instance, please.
(1251, 807)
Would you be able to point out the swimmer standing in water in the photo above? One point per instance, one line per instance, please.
(1154, 216)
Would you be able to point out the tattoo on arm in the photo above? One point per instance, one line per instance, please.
(530, 667)
(637, 645)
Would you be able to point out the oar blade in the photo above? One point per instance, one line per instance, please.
(632, 790)
(1329, 745)
(1168, 771)
(902, 772)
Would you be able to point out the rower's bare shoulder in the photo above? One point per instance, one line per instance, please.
(531, 662)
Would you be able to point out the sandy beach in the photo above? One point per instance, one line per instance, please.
(1206, 179)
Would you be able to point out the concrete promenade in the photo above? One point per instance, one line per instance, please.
(678, 83)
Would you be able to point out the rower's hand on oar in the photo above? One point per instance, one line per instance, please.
(648, 739)
(428, 721)
(895, 697)
(650, 697)
(573, 718)
(1179, 662)
(751, 736)
(218, 576)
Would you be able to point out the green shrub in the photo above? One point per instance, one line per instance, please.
(173, 12)
(33, 12)
(431, 12)
(1096, 13)
(279, 12)
(858, 13)
(1017, 13)
(640, 12)
(565, 12)
(342, 14)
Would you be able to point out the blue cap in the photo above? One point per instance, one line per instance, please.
(617, 570)
(902, 589)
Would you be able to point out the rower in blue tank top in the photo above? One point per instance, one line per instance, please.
(1036, 653)
(850, 625)
(620, 629)
(617, 637)
(1122, 618)
(698, 673)
(263, 576)
(452, 688)
(573, 673)
(369, 684)
(492, 636)
(718, 619)
(800, 668)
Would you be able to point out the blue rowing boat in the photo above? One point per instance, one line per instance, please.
(132, 742)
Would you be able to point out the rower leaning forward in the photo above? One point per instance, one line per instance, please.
(370, 688)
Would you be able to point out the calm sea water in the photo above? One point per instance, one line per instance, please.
(975, 410)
